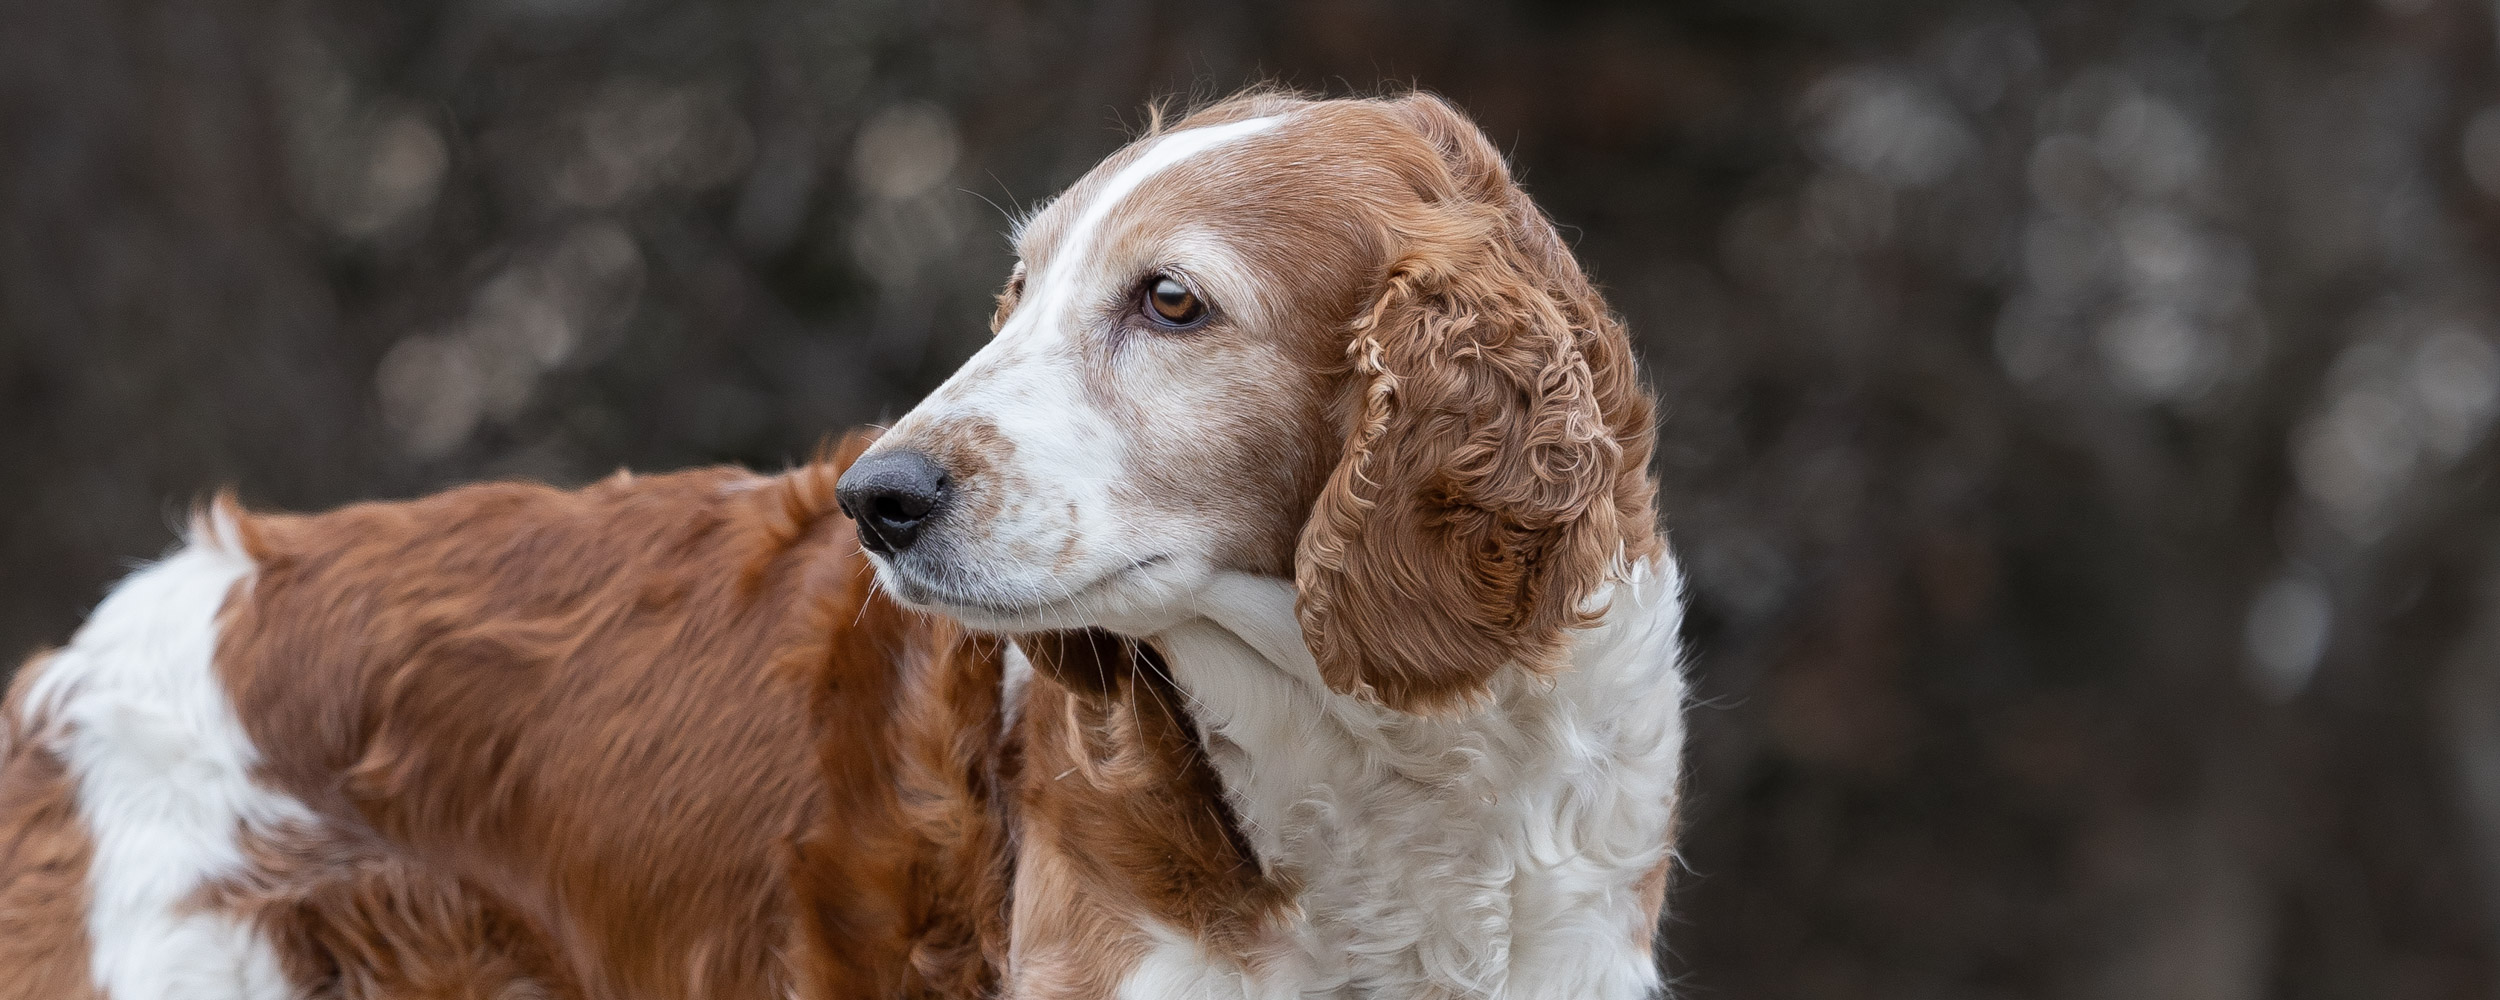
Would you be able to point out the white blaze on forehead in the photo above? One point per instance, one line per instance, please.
(1069, 260)
(1055, 285)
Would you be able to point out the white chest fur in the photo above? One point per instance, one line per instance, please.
(1497, 854)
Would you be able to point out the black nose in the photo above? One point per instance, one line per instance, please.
(892, 494)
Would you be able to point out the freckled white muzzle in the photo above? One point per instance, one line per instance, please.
(1004, 498)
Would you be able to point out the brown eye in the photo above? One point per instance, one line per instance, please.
(1172, 303)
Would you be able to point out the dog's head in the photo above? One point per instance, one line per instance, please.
(1325, 338)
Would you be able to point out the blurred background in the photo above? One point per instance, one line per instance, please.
(2077, 414)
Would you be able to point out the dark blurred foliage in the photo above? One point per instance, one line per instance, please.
(2077, 413)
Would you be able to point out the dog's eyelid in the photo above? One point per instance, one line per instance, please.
(1181, 273)
(1170, 300)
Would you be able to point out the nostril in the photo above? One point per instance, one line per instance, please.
(900, 508)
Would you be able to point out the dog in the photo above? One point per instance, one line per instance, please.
(1307, 404)
(659, 737)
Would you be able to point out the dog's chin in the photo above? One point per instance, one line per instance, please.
(1139, 599)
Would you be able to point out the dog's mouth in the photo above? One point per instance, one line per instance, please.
(1036, 604)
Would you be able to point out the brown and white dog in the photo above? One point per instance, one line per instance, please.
(1309, 397)
(658, 737)
(654, 738)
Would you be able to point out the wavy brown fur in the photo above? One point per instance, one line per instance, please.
(1497, 463)
(658, 737)
(1119, 798)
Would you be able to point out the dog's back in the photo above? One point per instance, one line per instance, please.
(656, 737)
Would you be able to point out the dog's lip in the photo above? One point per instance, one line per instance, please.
(940, 596)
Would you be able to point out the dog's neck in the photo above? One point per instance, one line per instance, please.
(1502, 852)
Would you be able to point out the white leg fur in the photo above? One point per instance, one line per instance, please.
(138, 715)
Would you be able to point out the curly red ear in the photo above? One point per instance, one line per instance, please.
(1496, 466)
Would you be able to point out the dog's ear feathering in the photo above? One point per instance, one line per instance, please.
(1482, 494)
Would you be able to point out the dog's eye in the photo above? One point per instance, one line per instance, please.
(1171, 303)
